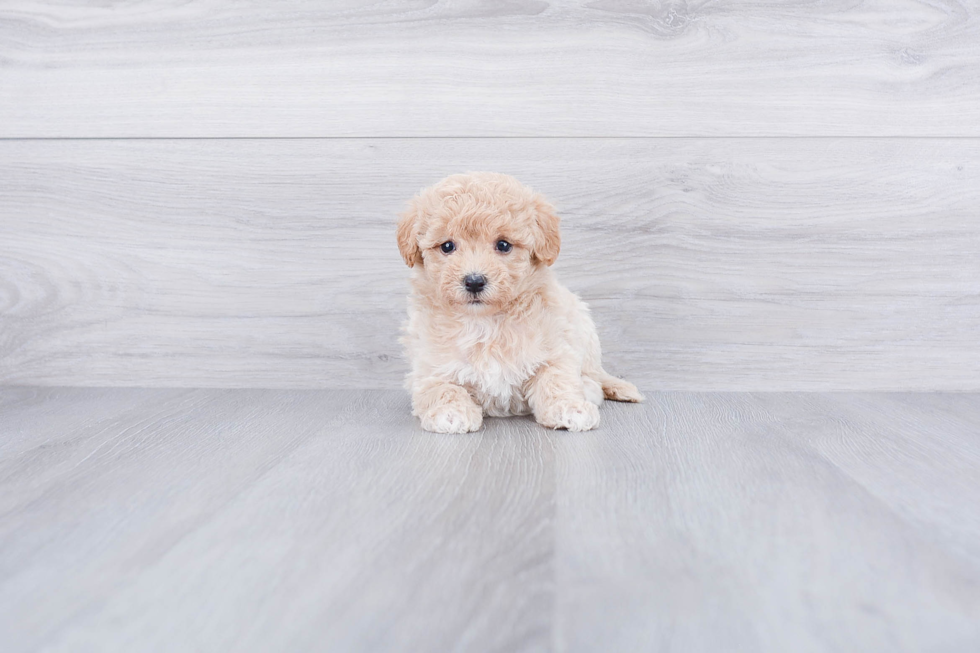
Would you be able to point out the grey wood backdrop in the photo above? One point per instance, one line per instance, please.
(481, 68)
(756, 196)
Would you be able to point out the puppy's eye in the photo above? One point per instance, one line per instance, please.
(448, 247)
(503, 246)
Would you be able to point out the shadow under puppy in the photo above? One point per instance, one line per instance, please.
(490, 330)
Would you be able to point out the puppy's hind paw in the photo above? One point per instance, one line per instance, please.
(620, 390)
(571, 415)
(453, 419)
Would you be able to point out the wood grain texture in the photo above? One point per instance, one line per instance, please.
(517, 68)
(754, 264)
(169, 519)
(257, 520)
(682, 526)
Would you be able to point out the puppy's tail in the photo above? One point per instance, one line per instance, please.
(614, 388)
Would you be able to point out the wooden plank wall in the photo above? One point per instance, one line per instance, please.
(755, 196)
(216, 68)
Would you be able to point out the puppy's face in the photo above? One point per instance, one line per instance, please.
(478, 237)
(477, 263)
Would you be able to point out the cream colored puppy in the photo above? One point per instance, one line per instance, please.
(490, 330)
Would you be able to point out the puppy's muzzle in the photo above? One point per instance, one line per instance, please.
(475, 283)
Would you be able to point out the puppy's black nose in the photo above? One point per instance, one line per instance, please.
(474, 283)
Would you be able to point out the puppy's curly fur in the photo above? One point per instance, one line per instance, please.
(490, 330)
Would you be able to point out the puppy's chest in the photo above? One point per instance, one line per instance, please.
(496, 369)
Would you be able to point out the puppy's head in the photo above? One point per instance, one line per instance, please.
(478, 237)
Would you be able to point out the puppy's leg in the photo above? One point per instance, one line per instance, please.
(557, 397)
(445, 407)
(593, 391)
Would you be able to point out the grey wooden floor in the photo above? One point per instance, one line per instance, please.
(179, 520)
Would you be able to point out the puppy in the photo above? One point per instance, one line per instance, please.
(490, 330)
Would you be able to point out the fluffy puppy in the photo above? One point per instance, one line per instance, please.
(490, 330)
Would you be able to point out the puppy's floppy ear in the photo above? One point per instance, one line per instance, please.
(408, 234)
(547, 239)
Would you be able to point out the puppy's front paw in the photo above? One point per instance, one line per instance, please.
(453, 418)
(573, 415)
